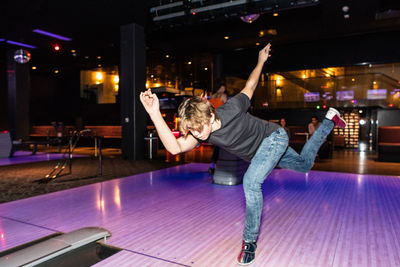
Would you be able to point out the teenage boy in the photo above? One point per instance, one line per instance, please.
(263, 144)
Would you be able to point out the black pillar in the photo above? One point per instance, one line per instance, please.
(3, 88)
(218, 70)
(132, 82)
(18, 84)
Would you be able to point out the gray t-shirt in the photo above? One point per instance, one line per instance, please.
(241, 133)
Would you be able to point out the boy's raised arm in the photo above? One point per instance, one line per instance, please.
(174, 146)
(252, 82)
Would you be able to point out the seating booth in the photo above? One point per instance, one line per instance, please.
(389, 143)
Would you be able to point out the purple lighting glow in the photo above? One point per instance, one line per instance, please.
(20, 44)
(52, 35)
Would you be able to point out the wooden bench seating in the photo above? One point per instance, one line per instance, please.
(48, 131)
(389, 143)
(106, 131)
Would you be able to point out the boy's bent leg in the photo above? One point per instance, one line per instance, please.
(304, 162)
(264, 161)
(310, 149)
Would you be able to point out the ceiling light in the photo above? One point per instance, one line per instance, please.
(20, 44)
(22, 56)
(250, 18)
(52, 35)
(226, 37)
(275, 14)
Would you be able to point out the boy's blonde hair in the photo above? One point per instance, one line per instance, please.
(194, 113)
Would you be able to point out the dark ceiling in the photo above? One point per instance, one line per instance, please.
(94, 25)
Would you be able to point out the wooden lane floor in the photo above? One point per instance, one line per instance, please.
(177, 217)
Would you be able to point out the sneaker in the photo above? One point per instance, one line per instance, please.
(334, 115)
(248, 254)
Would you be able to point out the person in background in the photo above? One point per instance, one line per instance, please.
(220, 94)
(313, 125)
(282, 123)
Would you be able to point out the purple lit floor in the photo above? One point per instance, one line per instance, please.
(177, 217)
(20, 157)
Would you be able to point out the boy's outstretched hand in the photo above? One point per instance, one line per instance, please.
(150, 101)
(264, 53)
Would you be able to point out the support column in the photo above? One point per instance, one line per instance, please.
(218, 70)
(132, 82)
(18, 84)
(3, 89)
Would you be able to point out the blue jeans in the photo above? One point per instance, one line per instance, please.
(273, 151)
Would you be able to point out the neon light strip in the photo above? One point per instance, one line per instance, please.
(2, 40)
(52, 35)
(20, 44)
